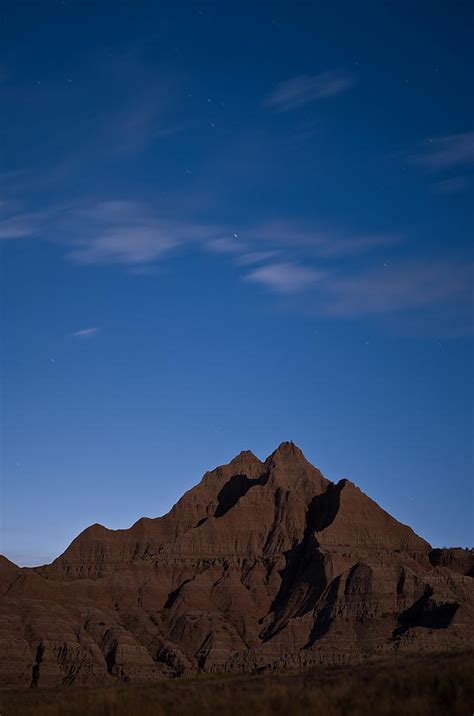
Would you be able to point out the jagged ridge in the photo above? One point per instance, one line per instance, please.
(261, 565)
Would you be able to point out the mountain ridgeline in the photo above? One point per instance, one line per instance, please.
(261, 566)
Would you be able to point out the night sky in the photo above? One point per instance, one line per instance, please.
(227, 225)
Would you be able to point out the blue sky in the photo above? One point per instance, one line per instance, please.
(224, 226)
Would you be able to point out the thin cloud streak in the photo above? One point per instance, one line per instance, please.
(129, 233)
(454, 185)
(437, 291)
(285, 277)
(86, 332)
(113, 231)
(255, 257)
(139, 108)
(119, 231)
(142, 122)
(298, 91)
(23, 225)
(127, 245)
(443, 153)
(324, 243)
(399, 288)
(226, 245)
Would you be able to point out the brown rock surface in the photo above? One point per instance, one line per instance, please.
(261, 565)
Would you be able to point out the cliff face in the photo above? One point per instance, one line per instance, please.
(261, 565)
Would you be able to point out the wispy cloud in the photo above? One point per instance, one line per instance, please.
(110, 232)
(442, 153)
(434, 296)
(20, 225)
(303, 89)
(400, 287)
(453, 185)
(226, 245)
(135, 104)
(282, 257)
(135, 234)
(321, 242)
(285, 277)
(129, 233)
(255, 257)
(127, 245)
(144, 120)
(86, 332)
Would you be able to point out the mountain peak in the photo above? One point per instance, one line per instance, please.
(287, 450)
(245, 460)
(245, 454)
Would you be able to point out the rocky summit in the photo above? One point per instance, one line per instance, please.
(262, 565)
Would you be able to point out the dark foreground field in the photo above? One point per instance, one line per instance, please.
(424, 686)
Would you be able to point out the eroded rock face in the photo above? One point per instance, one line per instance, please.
(261, 565)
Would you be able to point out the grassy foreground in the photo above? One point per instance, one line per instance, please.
(424, 686)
